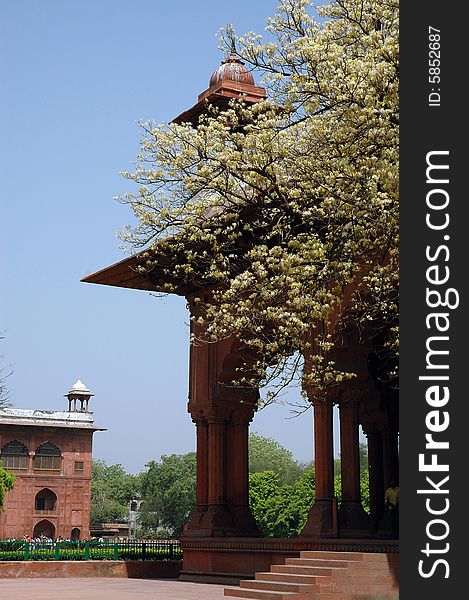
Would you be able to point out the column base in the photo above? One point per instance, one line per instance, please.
(217, 521)
(375, 519)
(386, 529)
(322, 520)
(222, 521)
(211, 521)
(353, 521)
(244, 523)
(195, 521)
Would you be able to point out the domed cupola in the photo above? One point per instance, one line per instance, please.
(232, 69)
(79, 392)
(232, 79)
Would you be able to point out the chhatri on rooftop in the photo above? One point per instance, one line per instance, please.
(77, 417)
(231, 79)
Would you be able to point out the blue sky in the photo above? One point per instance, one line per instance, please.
(77, 76)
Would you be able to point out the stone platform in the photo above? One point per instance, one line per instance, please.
(131, 569)
(228, 560)
(102, 588)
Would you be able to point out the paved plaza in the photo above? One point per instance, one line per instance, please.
(106, 588)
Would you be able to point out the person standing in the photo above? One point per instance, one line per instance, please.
(391, 503)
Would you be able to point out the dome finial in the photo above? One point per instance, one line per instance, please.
(233, 45)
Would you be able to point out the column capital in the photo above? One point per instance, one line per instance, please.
(198, 415)
(354, 393)
(208, 414)
(350, 399)
(317, 403)
(242, 414)
(322, 407)
(371, 426)
(318, 398)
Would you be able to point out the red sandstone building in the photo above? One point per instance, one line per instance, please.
(222, 539)
(50, 454)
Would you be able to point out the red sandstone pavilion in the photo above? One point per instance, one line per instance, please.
(222, 539)
(50, 454)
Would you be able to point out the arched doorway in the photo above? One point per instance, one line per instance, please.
(45, 500)
(45, 528)
(75, 535)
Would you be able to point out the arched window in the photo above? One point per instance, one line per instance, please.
(75, 535)
(47, 457)
(14, 455)
(45, 500)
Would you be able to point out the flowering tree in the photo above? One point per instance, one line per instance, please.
(287, 210)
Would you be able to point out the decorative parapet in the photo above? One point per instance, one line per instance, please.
(293, 545)
(22, 416)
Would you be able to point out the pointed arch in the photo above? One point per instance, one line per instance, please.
(14, 455)
(47, 457)
(45, 500)
(45, 528)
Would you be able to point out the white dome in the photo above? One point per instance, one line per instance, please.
(79, 389)
(79, 386)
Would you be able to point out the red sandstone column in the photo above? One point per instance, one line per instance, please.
(390, 466)
(323, 449)
(375, 462)
(222, 413)
(350, 461)
(322, 518)
(216, 467)
(390, 455)
(237, 472)
(237, 467)
(202, 468)
(202, 476)
(353, 520)
(217, 520)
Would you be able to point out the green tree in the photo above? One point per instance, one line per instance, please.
(6, 483)
(266, 454)
(168, 490)
(288, 207)
(281, 510)
(263, 490)
(111, 490)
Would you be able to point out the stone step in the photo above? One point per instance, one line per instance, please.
(292, 577)
(360, 589)
(302, 570)
(325, 562)
(353, 596)
(348, 595)
(260, 594)
(364, 578)
(315, 562)
(329, 597)
(279, 586)
(353, 556)
(323, 576)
